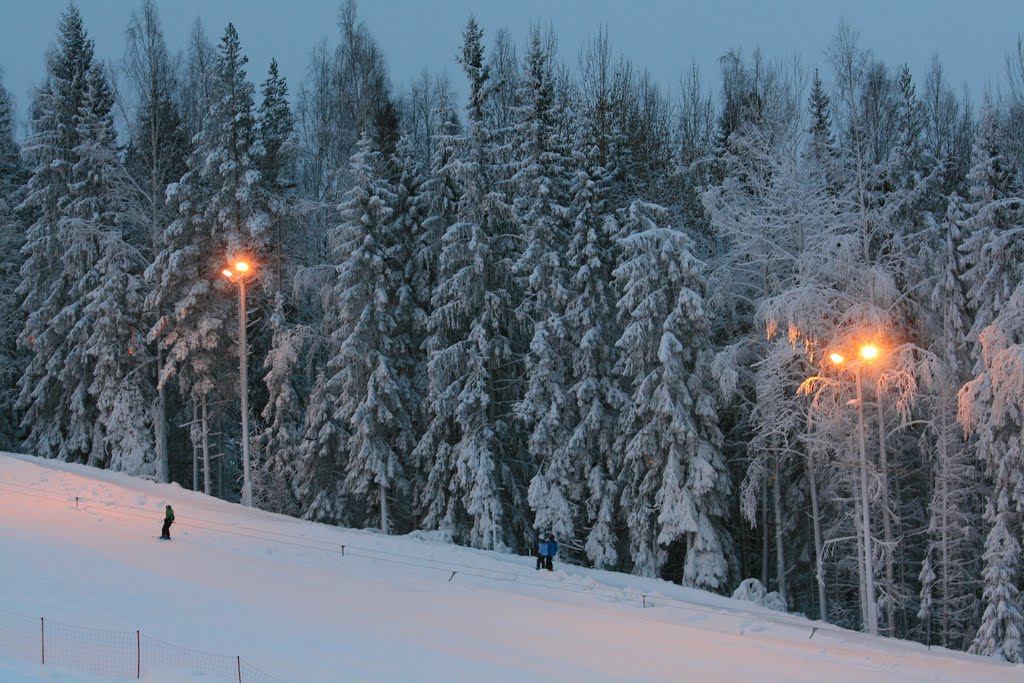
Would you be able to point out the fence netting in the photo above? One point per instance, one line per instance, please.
(113, 654)
(103, 653)
(20, 637)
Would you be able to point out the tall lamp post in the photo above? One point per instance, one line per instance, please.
(868, 353)
(237, 275)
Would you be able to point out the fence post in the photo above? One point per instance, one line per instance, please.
(138, 655)
(42, 637)
(239, 657)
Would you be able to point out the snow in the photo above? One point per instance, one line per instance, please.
(280, 593)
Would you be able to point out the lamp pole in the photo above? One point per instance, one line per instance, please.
(243, 360)
(869, 570)
(868, 353)
(237, 275)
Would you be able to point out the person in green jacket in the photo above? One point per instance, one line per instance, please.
(168, 521)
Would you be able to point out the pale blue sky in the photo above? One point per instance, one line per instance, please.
(971, 38)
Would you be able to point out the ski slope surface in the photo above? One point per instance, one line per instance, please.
(307, 602)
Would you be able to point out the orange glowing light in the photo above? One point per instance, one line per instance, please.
(242, 267)
(836, 358)
(869, 352)
(227, 273)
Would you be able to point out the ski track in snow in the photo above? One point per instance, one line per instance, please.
(286, 596)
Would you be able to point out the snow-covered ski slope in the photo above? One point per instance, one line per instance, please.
(280, 593)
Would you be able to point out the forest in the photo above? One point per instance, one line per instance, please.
(774, 332)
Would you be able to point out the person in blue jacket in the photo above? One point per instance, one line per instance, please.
(552, 550)
(547, 546)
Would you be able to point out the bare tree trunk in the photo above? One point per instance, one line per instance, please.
(780, 558)
(764, 537)
(818, 551)
(861, 574)
(195, 450)
(206, 450)
(890, 574)
(163, 465)
(385, 523)
(944, 487)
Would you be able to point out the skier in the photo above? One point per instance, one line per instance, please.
(552, 547)
(168, 521)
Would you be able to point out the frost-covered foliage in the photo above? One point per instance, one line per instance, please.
(470, 354)
(573, 304)
(82, 398)
(220, 217)
(674, 482)
(12, 177)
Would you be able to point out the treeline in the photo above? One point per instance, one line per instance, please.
(561, 301)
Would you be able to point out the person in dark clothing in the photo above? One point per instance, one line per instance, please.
(552, 548)
(168, 521)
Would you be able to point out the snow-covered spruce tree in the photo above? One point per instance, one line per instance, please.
(675, 484)
(53, 390)
(594, 395)
(993, 219)
(112, 293)
(12, 180)
(770, 204)
(281, 442)
(439, 202)
(950, 573)
(221, 214)
(469, 437)
(412, 312)
(323, 457)
(277, 173)
(370, 346)
(990, 404)
(990, 408)
(540, 186)
(155, 157)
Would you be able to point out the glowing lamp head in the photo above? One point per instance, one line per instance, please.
(836, 358)
(869, 352)
(227, 273)
(242, 267)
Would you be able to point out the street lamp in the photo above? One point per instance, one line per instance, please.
(237, 275)
(869, 353)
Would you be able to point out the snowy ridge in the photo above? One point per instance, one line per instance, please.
(310, 602)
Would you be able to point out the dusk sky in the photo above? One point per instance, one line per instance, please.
(971, 38)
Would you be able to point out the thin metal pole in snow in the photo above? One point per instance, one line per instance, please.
(138, 655)
(244, 372)
(42, 636)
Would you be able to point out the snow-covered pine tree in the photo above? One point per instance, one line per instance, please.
(469, 438)
(439, 202)
(157, 149)
(277, 171)
(950, 573)
(324, 457)
(112, 293)
(990, 404)
(994, 224)
(370, 346)
(821, 145)
(590, 329)
(540, 189)
(675, 483)
(281, 442)
(12, 180)
(58, 414)
(221, 215)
